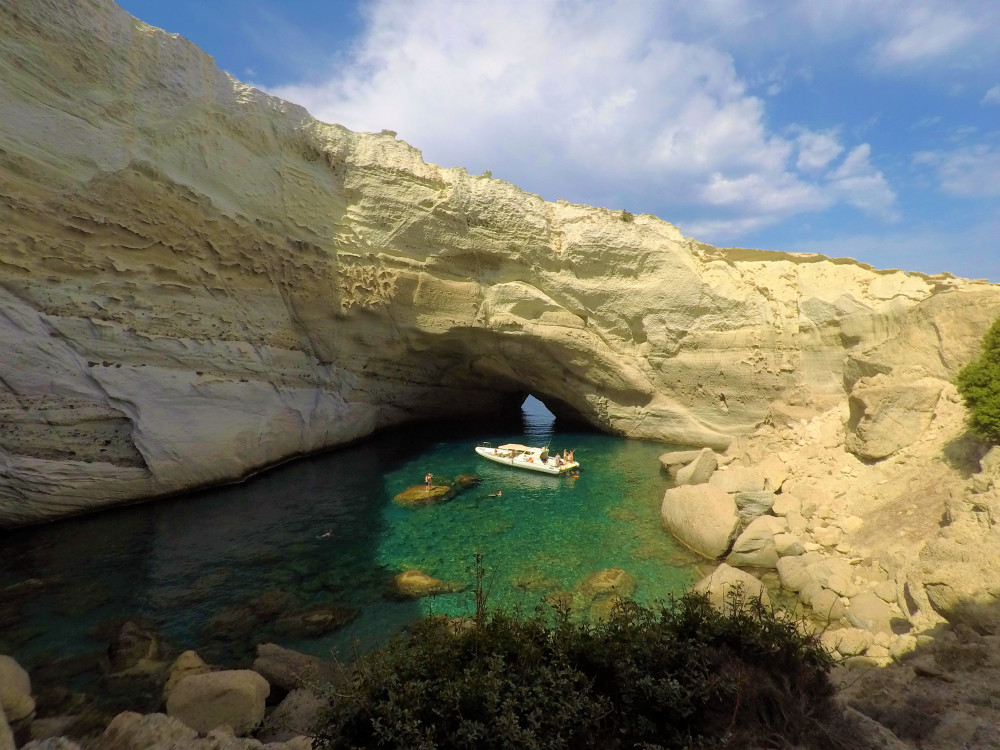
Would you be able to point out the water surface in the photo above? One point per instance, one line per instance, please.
(190, 564)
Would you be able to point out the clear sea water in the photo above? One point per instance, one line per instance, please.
(178, 562)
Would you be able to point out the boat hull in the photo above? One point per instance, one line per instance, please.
(519, 462)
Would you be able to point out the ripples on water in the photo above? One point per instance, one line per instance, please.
(178, 562)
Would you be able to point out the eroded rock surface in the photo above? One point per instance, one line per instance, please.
(199, 280)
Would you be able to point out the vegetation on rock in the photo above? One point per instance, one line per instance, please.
(678, 676)
(979, 384)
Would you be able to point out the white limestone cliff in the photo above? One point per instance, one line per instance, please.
(198, 280)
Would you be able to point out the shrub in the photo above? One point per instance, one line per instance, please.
(681, 675)
(979, 384)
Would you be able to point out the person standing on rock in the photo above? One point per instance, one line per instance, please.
(427, 481)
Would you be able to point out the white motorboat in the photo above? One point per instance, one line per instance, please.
(526, 457)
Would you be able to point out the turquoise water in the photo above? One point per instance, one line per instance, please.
(184, 561)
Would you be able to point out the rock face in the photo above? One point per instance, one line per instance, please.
(199, 280)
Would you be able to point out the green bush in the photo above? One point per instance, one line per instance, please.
(682, 675)
(979, 384)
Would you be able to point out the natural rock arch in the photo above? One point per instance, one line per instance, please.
(200, 280)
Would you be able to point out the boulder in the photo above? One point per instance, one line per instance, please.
(701, 516)
(6, 736)
(827, 536)
(753, 504)
(234, 698)
(414, 584)
(793, 572)
(314, 622)
(15, 690)
(294, 716)
(188, 663)
(417, 495)
(775, 472)
(287, 670)
(889, 414)
(678, 458)
(869, 612)
(136, 643)
(738, 479)
(700, 469)
(827, 606)
(788, 545)
(51, 743)
(607, 582)
(724, 580)
(132, 731)
(755, 547)
(785, 503)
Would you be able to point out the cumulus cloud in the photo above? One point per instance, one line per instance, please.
(971, 171)
(863, 186)
(992, 96)
(817, 150)
(589, 101)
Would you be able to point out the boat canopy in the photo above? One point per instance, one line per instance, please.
(517, 447)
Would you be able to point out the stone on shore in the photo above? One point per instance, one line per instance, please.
(753, 504)
(720, 584)
(700, 469)
(6, 735)
(188, 663)
(738, 479)
(234, 698)
(135, 645)
(417, 495)
(755, 547)
(701, 516)
(414, 584)
(15, 690)
(287, 670)
(678, 458)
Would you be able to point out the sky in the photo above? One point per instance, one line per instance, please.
(867, 129)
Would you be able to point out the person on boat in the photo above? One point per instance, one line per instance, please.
(427, 481)
(569, 455)
(498, 493)
(325, 534)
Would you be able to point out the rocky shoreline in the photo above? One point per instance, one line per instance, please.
(889, 561)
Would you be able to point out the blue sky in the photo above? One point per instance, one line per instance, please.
(860, 128)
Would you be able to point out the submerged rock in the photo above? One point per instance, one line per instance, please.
(613, 581)
(414, 584)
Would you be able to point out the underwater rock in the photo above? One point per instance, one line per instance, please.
(414, 584)
(314, 622)
(613, 581)
(466, 481)
(135, 643)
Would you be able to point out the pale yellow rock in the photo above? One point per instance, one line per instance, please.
(726, 582)
(233, 698)
(701, 516)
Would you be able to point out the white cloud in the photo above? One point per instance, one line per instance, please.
(972, 171)
(863, 186)
(924, 32)
(992, 96)
(560, 96)
(816, 150)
